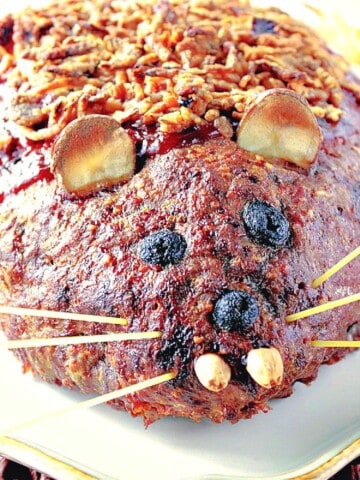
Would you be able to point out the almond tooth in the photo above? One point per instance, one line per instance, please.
(265, 366)
(92, 153)
(212, 372)
(280, 124)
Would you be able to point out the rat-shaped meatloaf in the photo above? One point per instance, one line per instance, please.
(195, 190)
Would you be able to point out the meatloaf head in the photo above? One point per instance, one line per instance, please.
(209, 243)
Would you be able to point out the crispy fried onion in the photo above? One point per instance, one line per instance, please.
(167, 62)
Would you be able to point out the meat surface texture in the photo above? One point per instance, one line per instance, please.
(208, 243)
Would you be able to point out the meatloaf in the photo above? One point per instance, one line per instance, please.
(208, 234)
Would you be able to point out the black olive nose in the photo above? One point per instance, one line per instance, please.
(162, 248)
(235, 311)
(264, 224)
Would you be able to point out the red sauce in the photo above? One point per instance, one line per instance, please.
(23, 166)
(152, 142)
(43, 174)
(27, 164)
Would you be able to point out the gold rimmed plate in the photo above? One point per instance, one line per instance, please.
(312, 434)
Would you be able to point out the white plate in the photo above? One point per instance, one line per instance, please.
(318, 428)
(301, 433)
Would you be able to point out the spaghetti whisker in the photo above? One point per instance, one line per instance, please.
(77, 340)
(8, 310)
(338, 266)
(322, 308)
(336, 343)
(107, 397)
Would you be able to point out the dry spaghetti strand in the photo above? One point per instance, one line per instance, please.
(107, 397)
(322, 308)
(77, 340)
(29, 312)
(338, 266)
(336, 343)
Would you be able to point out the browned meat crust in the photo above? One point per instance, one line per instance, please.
(84, 254)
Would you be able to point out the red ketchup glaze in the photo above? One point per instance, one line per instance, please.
(27, 164)
(43, 174)
(151, 142)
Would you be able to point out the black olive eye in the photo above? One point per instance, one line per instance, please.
(235, 311)
(162, 248)
(264, 224)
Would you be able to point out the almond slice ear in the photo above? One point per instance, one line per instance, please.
(280, 124)
(92, 153)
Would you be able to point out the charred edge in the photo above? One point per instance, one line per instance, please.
(239, 373)
(176, 352)
(64, 294)
(6, 31)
